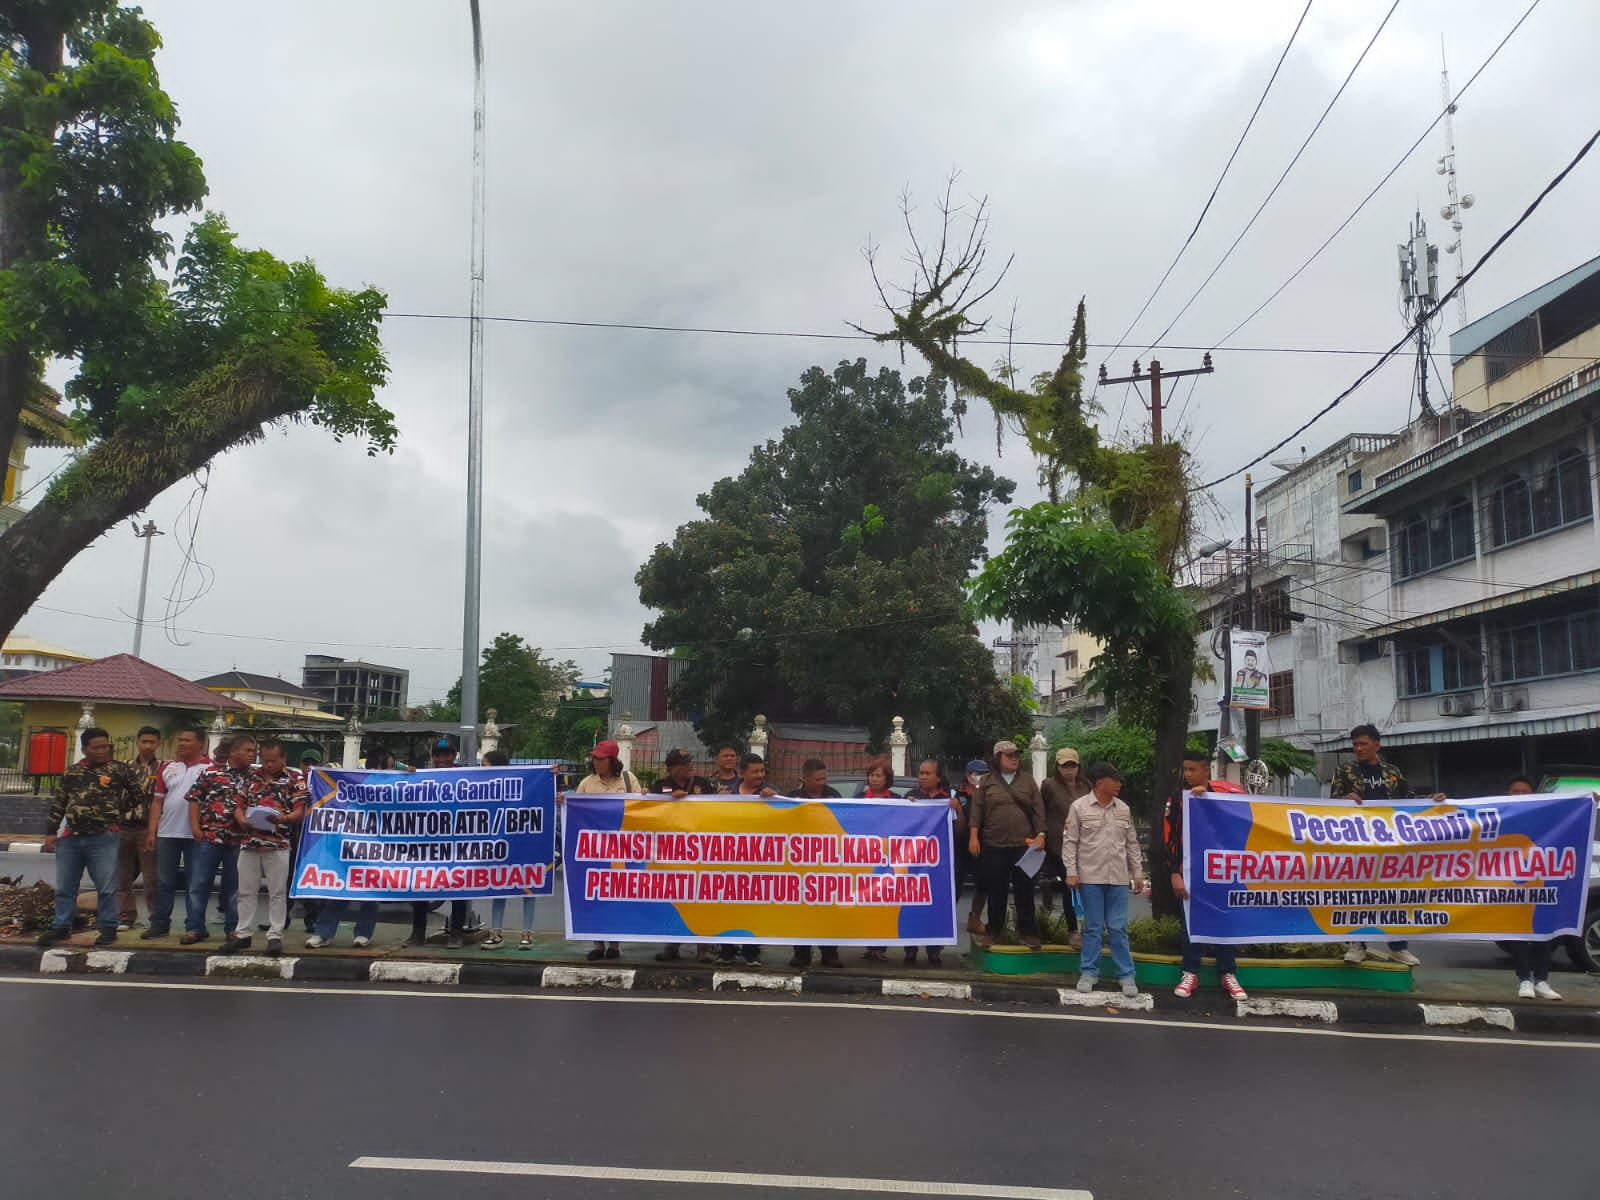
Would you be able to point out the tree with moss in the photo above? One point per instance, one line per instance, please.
(172, 362)
(1102, 551)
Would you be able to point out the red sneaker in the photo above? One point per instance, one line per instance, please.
(1186, 985)
(1231, 985)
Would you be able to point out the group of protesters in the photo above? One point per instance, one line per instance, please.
(231, 812)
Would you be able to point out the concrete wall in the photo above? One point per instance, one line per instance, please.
(1469, 375)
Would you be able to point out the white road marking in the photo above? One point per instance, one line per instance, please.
(755, 981)
(577, 977)
(944, 989)
(395, 971)
(1289, 1006)
(358, 990)
(816, 1183)
(1465, 1014)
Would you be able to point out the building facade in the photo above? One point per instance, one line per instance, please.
(350, 688)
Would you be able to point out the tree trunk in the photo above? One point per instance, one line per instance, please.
(1172, 733)
(122, 474)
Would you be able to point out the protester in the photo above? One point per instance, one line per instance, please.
(726, 771)
(85, 830)
(309, 909)
(931, 786)
(136, 848)
(680, 781)
(966, 861)
(1007, 820)
(495, 758)
(331, 912)
(213, 799)
(814, 786)
(264, 852)
(1102, 857)
(1531, 960)
(608, 777)
(752, 782)
(442, 757)
(1371, 777)
(169, 825)
(1197, 781)
(1063, 787)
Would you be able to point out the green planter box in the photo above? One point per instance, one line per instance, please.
(1162, 970)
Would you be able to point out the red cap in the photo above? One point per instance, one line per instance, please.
(606, 749)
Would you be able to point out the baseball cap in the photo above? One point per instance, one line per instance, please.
(443, 746)
(977, 767)
(310, 756)
(1005, 748)
(1067, 755)
(676, 758)
(606, 749)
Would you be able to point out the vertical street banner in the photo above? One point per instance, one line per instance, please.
(1268, 869)
(463, 833)
(1251, 668)
(723, 869)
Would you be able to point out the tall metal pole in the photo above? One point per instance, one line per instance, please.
(149, 533)
(470, 634)
(1252, 716)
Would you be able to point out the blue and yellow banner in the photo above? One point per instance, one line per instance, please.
(1267, 869)
(464, 833)
(715, 869)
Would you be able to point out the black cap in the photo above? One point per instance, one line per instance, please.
(445, 745)
(676, 758)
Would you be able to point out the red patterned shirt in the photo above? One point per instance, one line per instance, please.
(284, 792)
(216, 792)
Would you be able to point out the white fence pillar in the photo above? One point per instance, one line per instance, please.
(1041, 751)
(352, 745)
(624, 740)
(759, 737)
(218, 731)
(898, 742)
(491, 735)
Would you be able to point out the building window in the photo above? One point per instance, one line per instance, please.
(1555, 646)
(1415, 671)
(1280, 694)
(1433, 537)
(1355, 481)
(1539, 496)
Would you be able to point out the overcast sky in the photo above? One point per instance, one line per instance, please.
(723, 164)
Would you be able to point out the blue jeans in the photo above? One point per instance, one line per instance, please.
(204, 858)
(169, 851)
(332, 912)
(96, 853)
(497, 914)
(1105, 906)
(1193, 952)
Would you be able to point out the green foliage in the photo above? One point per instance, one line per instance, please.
(1155, 935)
(571, 729)
(1286, 760)
(825, 582)
(1128, 746)
(522, 687)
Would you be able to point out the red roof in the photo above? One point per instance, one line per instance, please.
(120, 679)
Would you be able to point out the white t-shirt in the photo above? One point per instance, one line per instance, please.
(177, 777)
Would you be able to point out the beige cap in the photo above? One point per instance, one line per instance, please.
(1005, 748)
(1067, 755)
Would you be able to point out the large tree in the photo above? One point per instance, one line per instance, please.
(167, 370)
(825, 582)
(1102, 551)
(522, 686)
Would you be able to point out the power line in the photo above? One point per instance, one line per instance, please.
(1437, 306)
(1216, 187)
(1389, 174)
(1250, 224)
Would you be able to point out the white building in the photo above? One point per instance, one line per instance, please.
(21, 656)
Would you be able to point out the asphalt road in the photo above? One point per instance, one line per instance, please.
(276, 1091)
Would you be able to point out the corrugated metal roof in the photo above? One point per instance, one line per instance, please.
(1469, 339)
(250, 681)
(1555, 587)
(1483, 727)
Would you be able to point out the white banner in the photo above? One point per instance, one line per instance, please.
(1251, 668)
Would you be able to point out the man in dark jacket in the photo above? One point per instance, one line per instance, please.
(1007, 820)
(92, 800)
(680, 781)
(1196, 781)
(814, 786)
(1059, 791)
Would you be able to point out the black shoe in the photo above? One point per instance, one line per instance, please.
(596, 954)
(233, 944)
(752, 958)
(727, 958)
(155, 931)
(274, 947)
(830, 958)
(107, 937)
(613, 952)
(802, 957)
(51, 936)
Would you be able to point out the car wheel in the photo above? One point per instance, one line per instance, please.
(1585, 948)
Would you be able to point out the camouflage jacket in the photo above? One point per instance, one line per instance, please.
(138, 817)
(1388, 784)
(95, 799)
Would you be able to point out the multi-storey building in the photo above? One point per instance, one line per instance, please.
(354, 689)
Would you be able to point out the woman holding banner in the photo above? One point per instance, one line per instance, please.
(608, 777)
(880, 786)
(1531, 959)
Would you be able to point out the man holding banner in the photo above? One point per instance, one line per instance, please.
(1196, 780)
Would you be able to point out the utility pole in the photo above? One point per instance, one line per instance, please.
(1252, 716)
(471, 599)
(1155, 377)
(149, 533)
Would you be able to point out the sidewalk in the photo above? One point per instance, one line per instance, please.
(1443, 996)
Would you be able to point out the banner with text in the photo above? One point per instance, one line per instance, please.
(1250, 686)
(1268, 869)
(841, 872)
(463, 833)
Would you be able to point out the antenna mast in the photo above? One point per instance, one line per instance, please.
(1458, 203)
(1419, 292)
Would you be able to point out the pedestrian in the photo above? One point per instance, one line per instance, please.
(1007, 820)
(1372, 777)
(494, 758)
(725, 769)
(1103, 861)
(442, 757)
(331, 912)
(1196, 781)
(879, 786)
(681, 781)
(966, 861)
(814, 786)
(264, 848)
(608, 777)
(136, 845)
(1531, 959)
(752, 782)
(213, 799)
(309, 909)
(169, 823)
(85, 831)
(932, 788)
(1063, 787)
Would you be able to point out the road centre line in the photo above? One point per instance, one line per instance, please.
(823, 1183)
(819, 1005)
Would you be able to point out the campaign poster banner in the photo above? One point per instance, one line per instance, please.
(754, 871)
(1249, 687)
(465, 833)
(1269, 869)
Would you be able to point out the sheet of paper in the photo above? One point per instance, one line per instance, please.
(1030, 862)
(262, 817)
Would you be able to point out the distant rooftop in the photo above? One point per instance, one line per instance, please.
(16, 644)
(250, 681)
(1470, 339)
(120, 679)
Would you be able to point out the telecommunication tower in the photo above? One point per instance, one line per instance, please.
(1458, 203)
(1419, 293)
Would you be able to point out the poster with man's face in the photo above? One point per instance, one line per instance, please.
(1248, 688)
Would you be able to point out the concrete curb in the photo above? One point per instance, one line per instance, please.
(22, 848)
(314, 967)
